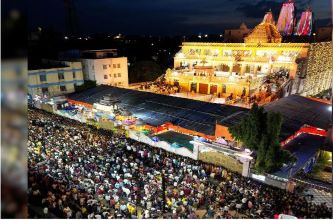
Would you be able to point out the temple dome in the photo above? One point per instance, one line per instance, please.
(265, 32)
(243, 26)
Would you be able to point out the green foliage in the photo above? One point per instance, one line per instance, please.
(88, 84)
(324, 160)
(143, 71)
(259, 131)
(250, 128)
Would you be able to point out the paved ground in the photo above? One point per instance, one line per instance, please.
(319, 196)
(324, 176)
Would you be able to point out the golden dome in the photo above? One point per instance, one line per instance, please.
(265, 32)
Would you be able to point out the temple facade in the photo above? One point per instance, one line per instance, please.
(237, 68)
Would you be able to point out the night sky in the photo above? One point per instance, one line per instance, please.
(164, 17)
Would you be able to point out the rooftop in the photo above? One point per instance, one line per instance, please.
(298, 111)
(99, 54)
(176, 139)
(37, 65)
(304, 148)
(156, 109)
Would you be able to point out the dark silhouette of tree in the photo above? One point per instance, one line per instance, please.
(88, 84)
(259, 131)
(143, 71)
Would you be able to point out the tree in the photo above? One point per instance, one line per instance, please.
(250, 128)
(259, 131)
(88, 84)
(143, 71)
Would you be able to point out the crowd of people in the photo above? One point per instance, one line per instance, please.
(78, 171)
(160, 87)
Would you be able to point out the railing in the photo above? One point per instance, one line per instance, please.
(211, 58)
(313, 185)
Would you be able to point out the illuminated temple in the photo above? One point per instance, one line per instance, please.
(235, 68)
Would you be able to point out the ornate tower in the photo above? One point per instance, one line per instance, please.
(265, 32)
(286, 18)
(304, 26)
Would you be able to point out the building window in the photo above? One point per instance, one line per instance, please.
(92, 67)
(61, 76)
(115, 75)
(105, 76)
(42, 78)
(74, 75)
(110, 75)
(105, 67)
(45, 90)
(119, 74)
(63, 88)
(118, 65)
(110, 65)
(114, 66)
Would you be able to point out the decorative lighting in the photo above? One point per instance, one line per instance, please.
(319, 68)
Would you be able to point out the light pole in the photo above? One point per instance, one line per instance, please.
(314, 37)
(290, 174)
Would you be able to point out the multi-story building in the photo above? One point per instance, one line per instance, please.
(104, 67)
(237, 68)
(54, 78)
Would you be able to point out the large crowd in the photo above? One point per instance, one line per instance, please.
(77, 171)
(159, 87)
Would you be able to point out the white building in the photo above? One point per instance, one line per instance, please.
(54, 78)
(104, 67)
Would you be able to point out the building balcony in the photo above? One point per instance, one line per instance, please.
(207, 58)
(217, 77)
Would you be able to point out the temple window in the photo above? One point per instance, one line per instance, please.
(227, 53)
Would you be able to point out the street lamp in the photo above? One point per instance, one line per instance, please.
(314, 37)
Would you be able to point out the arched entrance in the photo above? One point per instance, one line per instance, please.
(193, 87)
(213, 89)
(225, 68)
(203, 88)
(236, 68)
